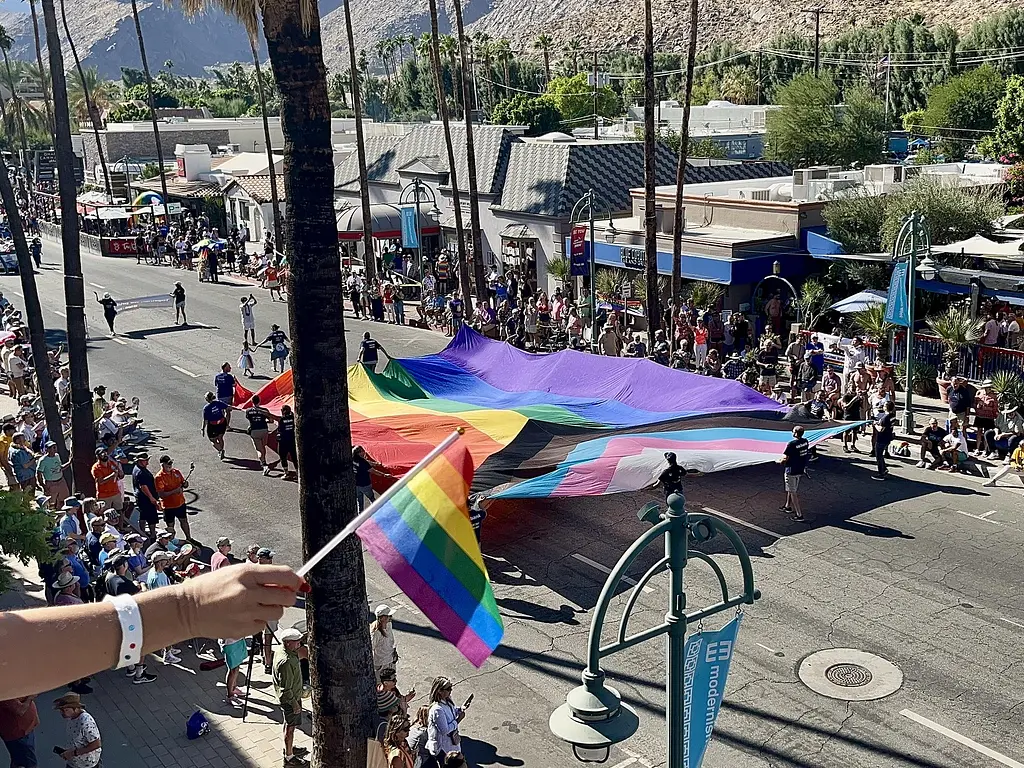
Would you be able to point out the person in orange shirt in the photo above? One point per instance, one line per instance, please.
(170, 484)
(107, 472)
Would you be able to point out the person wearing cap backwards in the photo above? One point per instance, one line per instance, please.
(288, 687)
(220, 557)
(170, 484)
(85, 747)
(179, 304)
(382, 640)
(106, 472)
(986, 410)
(50, 473)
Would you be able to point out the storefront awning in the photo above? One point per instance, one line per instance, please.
(385, 221)
(517, 232)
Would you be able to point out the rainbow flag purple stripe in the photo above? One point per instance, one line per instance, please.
(423, 539)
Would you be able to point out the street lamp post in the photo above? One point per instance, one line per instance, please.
(594, 717)
(912, 240)
(417, 186)
(586, 203)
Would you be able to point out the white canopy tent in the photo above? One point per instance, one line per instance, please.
(982, 246)
(860, 301)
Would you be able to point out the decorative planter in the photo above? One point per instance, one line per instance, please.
(944, 386)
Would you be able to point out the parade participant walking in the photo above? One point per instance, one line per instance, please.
(170, 484)
(146, 498)
(179, 304)
(215, 422)
(288, 687)
(671, 478)
(272, 281)
(109, 310)
(277, 340)
(368, 351)
(18, 722)
(248, 318)
(382, 640)
(85, 747)
(286, 442)
(364, 466)
(259, 419)
(884, 430)
(795, 459)
(107, 472)
(354, 295)
(225, 385)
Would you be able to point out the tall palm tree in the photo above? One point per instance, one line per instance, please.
(684, 146)
(442, 107)
(369, 258)
(83, 438)
(543, 43)
(42, 70)
(6, 43)
(152, 107)
(344, 703)
(477, 254)
(650, 217)
(449, 51)
(275, 199)
(483, 47)
(571, 52)
(90, 109)
(502, 53)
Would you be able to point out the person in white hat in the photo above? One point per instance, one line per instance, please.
(288, 686)
(382, 639)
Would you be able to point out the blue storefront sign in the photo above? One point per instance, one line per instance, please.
(410, 237)
(897, 307)
(708, 656)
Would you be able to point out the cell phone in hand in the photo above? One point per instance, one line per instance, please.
(468, 701)
(58, 750)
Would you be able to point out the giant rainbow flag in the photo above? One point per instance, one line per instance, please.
(561, 424)
(423, 539)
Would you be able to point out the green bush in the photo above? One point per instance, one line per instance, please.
(24, 532)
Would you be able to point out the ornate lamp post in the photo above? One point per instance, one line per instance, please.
(418, 188)
(594, 717)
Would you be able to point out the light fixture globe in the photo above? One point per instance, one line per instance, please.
(592, 719)
(928, 269)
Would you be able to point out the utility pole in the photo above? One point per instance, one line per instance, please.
(760, 80)
(817, 36)
(595, 97)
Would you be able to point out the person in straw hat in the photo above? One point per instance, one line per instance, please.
(84, 746)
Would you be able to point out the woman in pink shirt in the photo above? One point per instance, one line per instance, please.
(700, 344)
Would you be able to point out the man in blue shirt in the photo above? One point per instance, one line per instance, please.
(795, 458)
(215, 421)
(70, 550)
(369, 349)
(225, 385)
(817, 352)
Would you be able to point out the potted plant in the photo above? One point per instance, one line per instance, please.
(924, 378)
(1009, 386)
(957, 330)
(872, 323)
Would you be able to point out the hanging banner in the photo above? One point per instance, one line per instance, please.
(897, 308)
(163, 301)
(410, 237)
(708, 655)
(579, 265)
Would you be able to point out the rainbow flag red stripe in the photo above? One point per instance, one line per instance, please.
(423, 539)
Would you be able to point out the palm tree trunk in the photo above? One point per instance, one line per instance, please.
(547, 66)
(83, 438)
(474, 195)
(684, 147)
(93, 112)
(275, 200)
(344, 700)
(19, 115)
(42, 70)
(37, 332)
(152, 108)
(442, 106)
(650, 216)
(369, 259)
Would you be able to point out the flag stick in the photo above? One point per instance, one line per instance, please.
(366, 514)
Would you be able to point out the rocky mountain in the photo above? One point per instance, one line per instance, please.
(105, 34)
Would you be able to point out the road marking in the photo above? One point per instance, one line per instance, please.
(604, 569)
(988, 514)
(1011, 621)
(961, 739)
(978, 517)
(179, 369)
(97, 285)
(770, 650)
(59, 313)
(744, 523)
(122, 342)
(624, 763)
(16, 293)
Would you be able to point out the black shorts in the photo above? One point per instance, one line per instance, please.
(175, 513)
(983, 423)
(147, 512)
(286, 450)
(215, 431)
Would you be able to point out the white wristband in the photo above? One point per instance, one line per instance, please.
(131, 630)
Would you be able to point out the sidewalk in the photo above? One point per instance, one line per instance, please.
(145, 725)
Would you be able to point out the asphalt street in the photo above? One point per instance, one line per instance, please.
(922, 571)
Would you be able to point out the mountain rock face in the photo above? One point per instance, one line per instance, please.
(105, 33)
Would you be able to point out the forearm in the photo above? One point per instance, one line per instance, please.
(41, 634)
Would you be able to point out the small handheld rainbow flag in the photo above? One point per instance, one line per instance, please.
(423, 539)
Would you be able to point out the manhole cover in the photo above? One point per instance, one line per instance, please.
(850, 675)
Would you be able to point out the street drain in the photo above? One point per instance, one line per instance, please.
(850, 675)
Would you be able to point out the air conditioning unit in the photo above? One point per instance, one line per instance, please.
(761, 194)
(884, 174)
(801, 176)
(757, 120)
(749, 193)
(818, 172)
